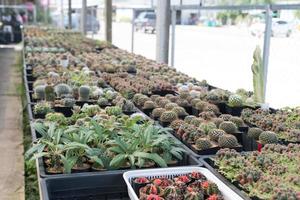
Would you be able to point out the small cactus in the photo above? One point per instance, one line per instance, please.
(228, 127)
(254, 132)
(39, 92)
(62, 89)
(235, 100)
(69, 102)
(203, 143)
(49, 93)
(227, 141)
(268, 137)
(215, 134)
(168, 116)
(84, 93)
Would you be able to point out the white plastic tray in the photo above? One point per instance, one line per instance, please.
(175, 171)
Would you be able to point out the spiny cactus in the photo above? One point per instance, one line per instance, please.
(168, 116)
(237, 120)
(215, 134)
(235, 100)
(68, 102)
(39, 91)
(49, 93)
(113, 110)
(203, 143)
(217, 121)
(225, 117)
(62, 89)
(196, 121)
(102, 101)
(200, 105)
(268, 137)
(228, 127)
(189, 118)
(210, 188)
(84, 93)
(175, 125)
(227, 141)
(207, 126)
(192, 195)
(258, 76)
(254, 132)
(170, 106)
(149, 105)
(42, 108)
(180, 111)
(156, 113)
(172, 192)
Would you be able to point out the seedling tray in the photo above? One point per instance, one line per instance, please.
(84, 187)
(188, 160)
(210, 165)
(226, 191)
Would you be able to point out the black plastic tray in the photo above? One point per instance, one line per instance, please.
(188, 160)
(85, 187)
(209, 164)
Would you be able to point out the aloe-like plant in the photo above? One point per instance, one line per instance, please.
(258, 76)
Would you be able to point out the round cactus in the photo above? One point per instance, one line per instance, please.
(39, 91)
(102, 101)
(175, 125)
(268, 137)
(207, 126)
(228, 127)
(189, 118)
(180, 111)
(84, 93)
(196, 121)
(49, 93)
(170, 106)
(217, 121)
(69, 102)
(235, 100)
(62, 89)
(184, 94)
(172, 192)
(192, 195)
(215, 134)
(237, 120)
(225, 117)
(203, 143)
(149, 105)
(254, 132)
(168, 116)
(136, 97)
(156, 113)
(212, 108)
(227, 141)
(163, 102)
(142, 100)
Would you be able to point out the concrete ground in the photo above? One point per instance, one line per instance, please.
(223, 56)
(11, 133)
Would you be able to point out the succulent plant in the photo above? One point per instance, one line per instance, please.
(200, 105)
(151, 189)
(175, 125)
(268, 137)
(156, 113)
(189, 118)
(180, 111)
(228, 127)
(113, 110)
(163, 102)
(90, 110)
(203, 143)
(227, 141)
(217, 121)
(196, 121)
(39, 92)
(235, 100)
(62, 89)
(136, 97)
(49, 93)
(149, 105)
(68, 102)
(210, 188)
(126, 105)
(154, 97)
(254, 132)
(84, 93)
(212, 108)
(172, 192)
(225, 117)
(192, 195)
(168, 116)
(184, 94)
(215, 134)
(102, 101)
(170, 106)
(239, 122)
(142, 100)
(42, 108)
(207, 126)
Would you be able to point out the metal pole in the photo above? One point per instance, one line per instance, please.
(132, 30)
(173, 37)
(70, 13)
(266, 50)
(46, 14)
(62, 24)
(162, 31)
(108, 20)
(83, 17)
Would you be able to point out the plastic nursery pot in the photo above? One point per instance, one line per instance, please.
(30, 85)
(30, 77)
(188, 109)
(222, 107)
(195, 112)
(66, 111)
(129, 112)
(239, 136)
(182, 116)
(174, 133)
(137, 186)
(164, 124)
(148, 111)
(164, 92)
(235, 111)
(247, 142)
(81, 103)
(84, 168)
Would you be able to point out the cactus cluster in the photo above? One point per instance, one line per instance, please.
(168, 116)
(227, 141)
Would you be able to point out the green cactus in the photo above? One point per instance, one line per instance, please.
(180, 111)
(168, 116)
(227, 141)
(203, 143)
(235, 100)
(237, 120)
(102, 101)
(228, 127)
(192, 195)
(172, 193)
(49, 93)
(62, 89)
(254, 132)
(189, 118)
(268, 137)
(215, 134)
(156, 113)
(258, 76)
(39, 92)
(207, 126)
(84, 93)
(170, 106)
(69, 102)
(149, 105)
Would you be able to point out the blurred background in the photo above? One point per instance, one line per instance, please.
(216, 45)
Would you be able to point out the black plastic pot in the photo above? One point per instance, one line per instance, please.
(222, 107)
(235, 111)
(67, 111)
(85, 187)
(81, 103)
(30, 85)
(188, 109)
(195, 112)
(148, 111)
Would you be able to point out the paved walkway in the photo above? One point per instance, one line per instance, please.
(11, 135)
